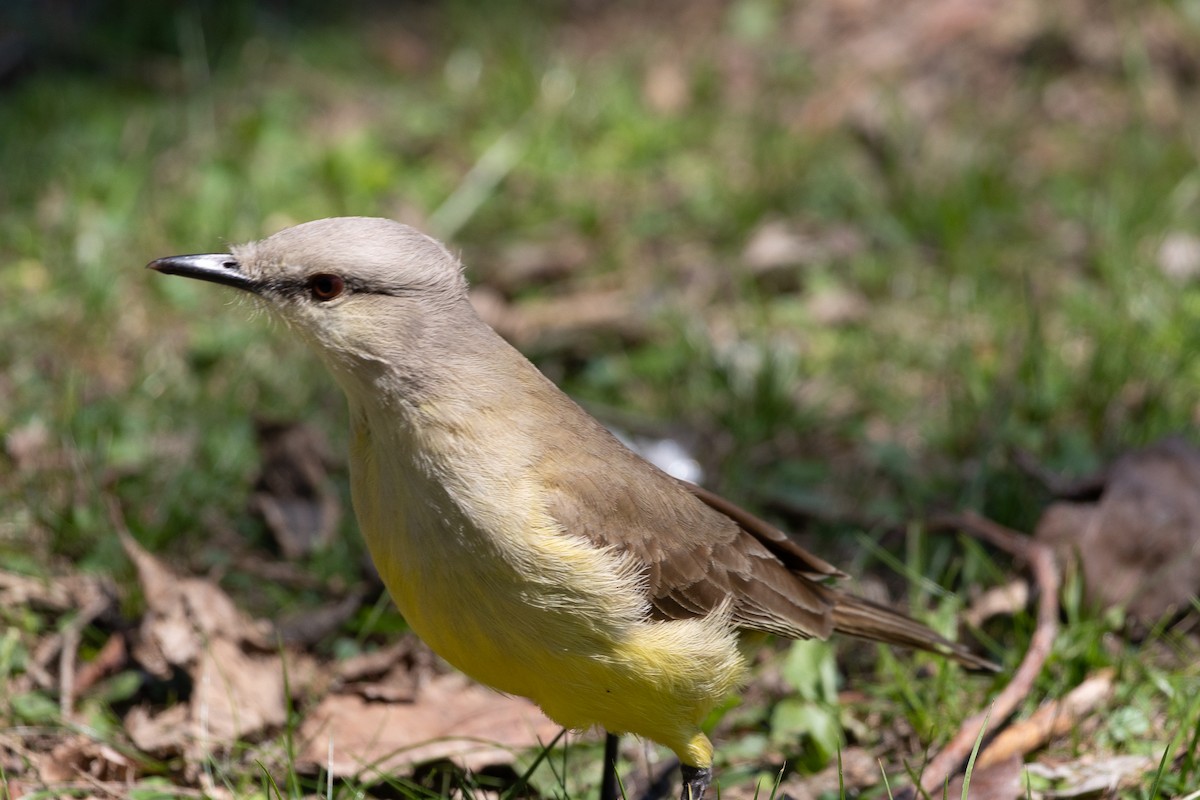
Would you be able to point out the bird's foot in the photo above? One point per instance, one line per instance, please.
(695, 781)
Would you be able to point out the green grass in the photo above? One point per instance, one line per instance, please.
(1008, 266)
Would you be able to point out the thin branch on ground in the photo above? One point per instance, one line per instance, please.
(71, 636)
(1054, 718)
(1042, 564)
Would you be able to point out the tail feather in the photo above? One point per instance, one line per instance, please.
(855, 616)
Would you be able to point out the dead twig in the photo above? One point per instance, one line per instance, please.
(38, 666)
(111, 658)
(1045, 574)
(1055, 718)
(70, 646)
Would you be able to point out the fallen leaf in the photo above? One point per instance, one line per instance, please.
(1092, 775)
(1139, 545)
(452, 718)
(392, 675)
(1000, 781)
(79, 756)
(182, 614)
(236, 695)
(1005, 600)
(774, 245)
(58, 593)
(312, 625)
(858, 770)
(190, 624)
(378, 663)
(1055, 718)
(292, 493)
(163, 734)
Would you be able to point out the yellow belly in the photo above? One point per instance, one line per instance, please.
(522, 606)
(658, 680)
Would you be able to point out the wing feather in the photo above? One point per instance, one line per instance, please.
(696, 556)
(699, 552)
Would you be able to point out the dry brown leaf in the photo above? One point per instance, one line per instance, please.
(292, 493)
(1139, 546)
(18, 591)
(161, 735)
(308, 626)
(18, 788)
(182, 614)
(999, 781)
(1092, 775)
(775, 245)
(191, 624)
(1055, 718)
(998, 601)
(79, 756)
(376, 663)
(59, 593)
(390, 675)
(236, 695)
(859, 770)
(452, 718)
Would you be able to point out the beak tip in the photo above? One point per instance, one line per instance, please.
(220, 268)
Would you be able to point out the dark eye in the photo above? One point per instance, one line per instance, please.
(325, 287)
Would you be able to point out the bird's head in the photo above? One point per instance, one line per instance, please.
(361, 290)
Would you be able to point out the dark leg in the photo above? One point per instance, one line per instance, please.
(610, 789)
(695, 781)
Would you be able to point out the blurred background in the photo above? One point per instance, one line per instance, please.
(863, 260)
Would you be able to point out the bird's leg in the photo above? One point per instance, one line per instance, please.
(610, 789)
(695, 781)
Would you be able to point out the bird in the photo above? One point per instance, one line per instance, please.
(519, 538)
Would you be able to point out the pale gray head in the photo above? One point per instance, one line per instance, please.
(362, 290)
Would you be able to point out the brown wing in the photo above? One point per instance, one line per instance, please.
(695, 555)
(697, 549)
(793, 556)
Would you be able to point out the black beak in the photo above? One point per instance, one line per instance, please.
(215, 267)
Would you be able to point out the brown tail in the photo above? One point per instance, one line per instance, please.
(855, 616)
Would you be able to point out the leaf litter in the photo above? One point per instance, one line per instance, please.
(1137, 543)
(390, 710)
(217, 680)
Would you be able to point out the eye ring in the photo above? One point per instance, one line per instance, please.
(326, 286)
